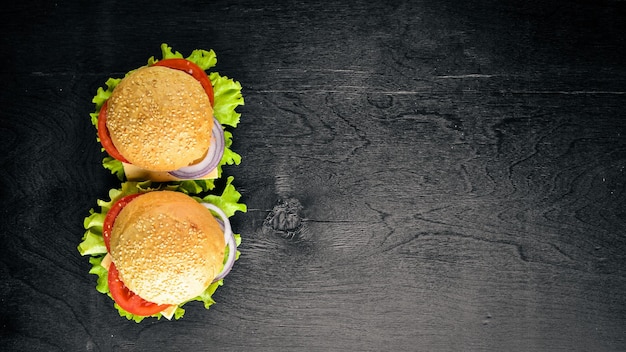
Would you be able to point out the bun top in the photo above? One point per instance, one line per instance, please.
(167, 247)
(160, 119)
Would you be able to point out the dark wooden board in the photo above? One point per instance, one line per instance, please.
(453, 173)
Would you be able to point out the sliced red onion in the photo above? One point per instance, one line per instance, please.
(210, 161)
(229, 237)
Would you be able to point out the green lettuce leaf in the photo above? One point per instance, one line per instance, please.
(92, 243)
(227, 94)
(228, 201)
(228, 97)
(115, 166)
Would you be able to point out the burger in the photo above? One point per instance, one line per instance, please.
(163, 249)
(166, 121)
(155, 249)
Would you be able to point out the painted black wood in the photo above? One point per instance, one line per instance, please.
(454, 173)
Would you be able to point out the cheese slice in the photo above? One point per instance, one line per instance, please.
(168, 312)
(106, 261)
(134, 173)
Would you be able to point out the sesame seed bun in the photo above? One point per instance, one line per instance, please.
(160, 119)
(167, 247)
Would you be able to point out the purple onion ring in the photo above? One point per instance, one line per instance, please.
(229, 237)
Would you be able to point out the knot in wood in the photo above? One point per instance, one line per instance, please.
(285, 218)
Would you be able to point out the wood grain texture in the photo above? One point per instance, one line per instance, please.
(420, 176)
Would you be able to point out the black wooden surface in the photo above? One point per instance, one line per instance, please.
(458, 168)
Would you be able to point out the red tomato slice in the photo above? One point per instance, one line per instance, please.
(109, 219)
(127, 299)
(105, 137)
(194, 70)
